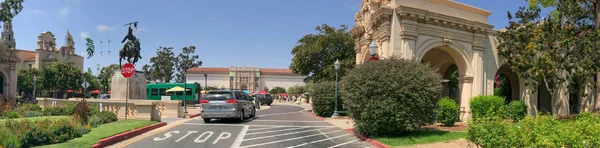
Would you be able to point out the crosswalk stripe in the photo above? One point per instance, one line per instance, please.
(254, 145)
(281, 134)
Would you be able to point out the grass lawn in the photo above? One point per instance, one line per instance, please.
(36, 118)
(102, 131)
(421, 137)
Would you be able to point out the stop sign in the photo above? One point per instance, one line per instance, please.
(127, 70)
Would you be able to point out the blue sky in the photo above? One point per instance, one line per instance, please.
(258, 33)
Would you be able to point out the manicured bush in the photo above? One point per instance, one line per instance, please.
(108, 117)
(391, 96)
(323, 94)
(93, 109)
(65, 110)
(96, 120)
(32, 114)
(82, 112)
(538, 131)
(10, 115)
(29, 107)
(447, 111)
(487, 106)
(42, 132)
(8, 139)
(516, 110)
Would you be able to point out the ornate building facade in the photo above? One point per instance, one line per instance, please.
(9, 60)
(452, 36)
(244, 78)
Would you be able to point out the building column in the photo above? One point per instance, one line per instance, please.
(12, 90)
(465, 84)
(529, 95)
(478, 78)
(409, 38)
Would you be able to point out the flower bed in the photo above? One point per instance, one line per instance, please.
(30, 133)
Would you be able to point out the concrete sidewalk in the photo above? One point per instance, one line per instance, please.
(343, 122)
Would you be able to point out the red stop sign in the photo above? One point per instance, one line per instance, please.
(127, 70)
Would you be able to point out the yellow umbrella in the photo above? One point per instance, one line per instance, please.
(176, 89)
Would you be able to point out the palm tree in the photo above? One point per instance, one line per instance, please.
(90, 47)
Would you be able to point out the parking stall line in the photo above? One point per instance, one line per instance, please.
(343, 143)
(252, 125)
(319, 141)
(264, 128)
(240, 137)
(260, 144)
(281, 134)
(289, 129)
(284, 121)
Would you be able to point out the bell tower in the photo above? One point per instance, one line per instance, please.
(8, 38)
(69, 43)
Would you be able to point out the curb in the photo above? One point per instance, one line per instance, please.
(190, 116)
(315, 115)
(371, 141)
(126, 135)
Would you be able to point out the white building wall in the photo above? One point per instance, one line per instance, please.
(217, 80)
(286, 82)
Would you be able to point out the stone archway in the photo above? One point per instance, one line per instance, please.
(2, 83)
(244, 87)
(506, 83)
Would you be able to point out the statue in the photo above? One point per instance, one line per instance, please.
(131, 49)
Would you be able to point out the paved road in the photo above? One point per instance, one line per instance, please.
(281, 126)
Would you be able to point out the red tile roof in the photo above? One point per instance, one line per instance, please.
(208, 70)
(275, 71)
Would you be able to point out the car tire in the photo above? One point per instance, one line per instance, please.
(206, 120)
(241, 119)
(253, 113)
(269, 104)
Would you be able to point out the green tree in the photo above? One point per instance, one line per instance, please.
(277, 90)
(163, 64)
(314, 54)
(10, 9)
(554, 50)
(297, 89)
(25, 80)
(61, 76)
(90, 47)
(105, 76)
(147, 69)
(185, 60)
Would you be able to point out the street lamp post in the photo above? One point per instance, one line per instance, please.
(185, 91)
(373, 51)
(34, 86)
(336, 65)
(205, 85)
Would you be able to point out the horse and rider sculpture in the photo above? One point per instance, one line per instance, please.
(131, 49)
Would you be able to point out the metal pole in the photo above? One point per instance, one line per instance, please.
(185, 92)
(34, 86)
(205, 85)
(335, 112)
(126, 99)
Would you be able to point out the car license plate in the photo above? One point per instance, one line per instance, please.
(216, 108)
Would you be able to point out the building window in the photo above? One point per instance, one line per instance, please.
(154, 92)
(30, 66)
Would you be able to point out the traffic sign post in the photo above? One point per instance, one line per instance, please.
(127, 71)
(85, 85)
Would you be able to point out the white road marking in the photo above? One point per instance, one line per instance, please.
(252, 125)
(188, 133)
(289, 129)
(287, 139)
(326, 135)
(264, 128)
(281, 134)
(279, 113)
(319, 141)
(240, 137)
(343, 143)
(284, 121)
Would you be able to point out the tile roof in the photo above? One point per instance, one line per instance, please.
(275, 71)
(26, 55)
(208, 70)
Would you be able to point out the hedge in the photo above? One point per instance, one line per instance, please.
(486, 106)
(323, 102)
(42, 132)
(447, 111)
(391, 96)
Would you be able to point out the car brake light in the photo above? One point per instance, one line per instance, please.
(232, 101)
(204, 101)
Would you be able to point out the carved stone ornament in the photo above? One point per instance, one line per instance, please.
(446, 41)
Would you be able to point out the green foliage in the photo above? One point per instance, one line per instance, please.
(487, 106)
(297, 89)
(66, 110)
(447, 111)
(25, 79)
(27, 114)
(516, 110)
(89, 43)
(391, 96)
(29, 107)
(185, 60)
(10, 9)
(106, 74)
(96, 120)
(9, 139)
(107, 116)
(538, 131)
(323, 98)
(10, 115)
(43, 132)
(82, 112)
(314, 54)
(162, 66)
(277, 90)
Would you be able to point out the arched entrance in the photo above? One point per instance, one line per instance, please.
(2, 85)
(244, 87)
(506, 84)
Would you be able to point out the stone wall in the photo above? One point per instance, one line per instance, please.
(137, 86)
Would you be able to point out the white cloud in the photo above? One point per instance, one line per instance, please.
(104, 28)
(84, 35)
(38, 12)
(64, 11)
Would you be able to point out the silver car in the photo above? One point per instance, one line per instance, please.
(227, 104)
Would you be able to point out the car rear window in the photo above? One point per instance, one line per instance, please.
(218, 96)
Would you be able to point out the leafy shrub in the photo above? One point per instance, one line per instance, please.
(8, 139)
(96, 120)
(65, 110)
(42, 132)
(93, 109)
(516, 110)
(486, 106)
(7, 103)
(32, 114)
(10, 115)
(447, 111)
(107, 117)
(323, 94)
(538, 131)
(82, 112)
(29, 107)
(391, 96)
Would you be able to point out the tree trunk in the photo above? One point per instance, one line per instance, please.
(596, 6)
